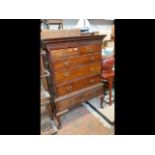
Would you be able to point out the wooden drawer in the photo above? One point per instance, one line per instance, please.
(78, 72)
(64, 53)
(75, 52)
(79, 98)
(77, 85)
(90, 49)
(69, 63)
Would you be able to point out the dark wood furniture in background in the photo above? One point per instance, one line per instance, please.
(75, 64)
(108, 75)
(47, 125)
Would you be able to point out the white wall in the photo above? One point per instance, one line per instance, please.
(101, 25)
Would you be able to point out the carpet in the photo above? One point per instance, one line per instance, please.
(80, 121)
(107, 111)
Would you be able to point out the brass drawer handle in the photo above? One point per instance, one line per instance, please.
(92, 81)
(65, 54)
(76, 49)
(73, 49)
(91, 58)
(69, 88)
(66, 63)
(90, 50)
(71, 101)
(66, 74)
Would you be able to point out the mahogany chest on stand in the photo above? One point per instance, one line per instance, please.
(75, 66)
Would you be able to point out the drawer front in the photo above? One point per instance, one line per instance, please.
(82, 97)
(90, 49)
(78, 72)
(68, 103)
(75, 52)
(77, 85)
(72, 62)
(64, 53)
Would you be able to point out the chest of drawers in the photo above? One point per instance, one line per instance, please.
(75, 66)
